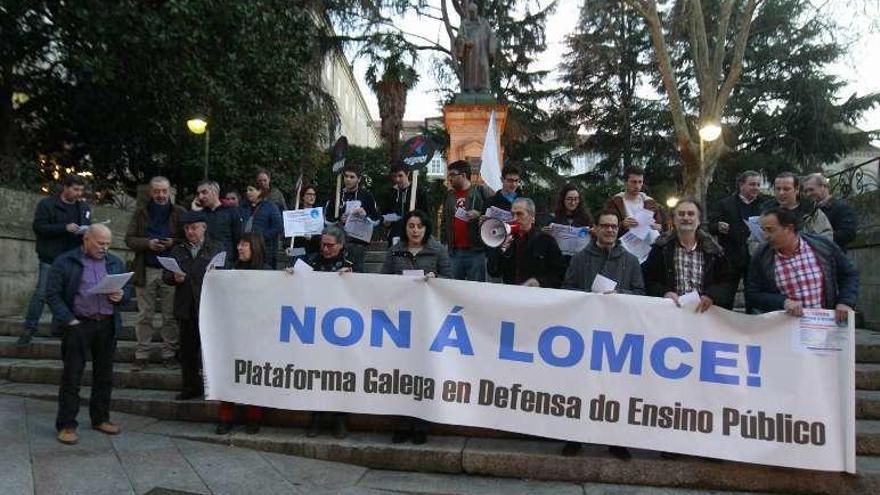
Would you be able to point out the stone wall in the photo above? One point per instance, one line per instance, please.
(865, 253)
(18, 264)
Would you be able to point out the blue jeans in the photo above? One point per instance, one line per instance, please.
(35, 307)
(468, 265)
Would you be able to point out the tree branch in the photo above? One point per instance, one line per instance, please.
(745, 23)
(707, 80)
(721, 37)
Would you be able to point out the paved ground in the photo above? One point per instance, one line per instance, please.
(33, 462)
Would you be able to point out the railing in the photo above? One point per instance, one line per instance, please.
(857, 179)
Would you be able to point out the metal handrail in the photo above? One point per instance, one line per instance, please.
(854, 180)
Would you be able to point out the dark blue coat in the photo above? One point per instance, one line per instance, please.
(840, 276)
(266, 221)
(63, 284)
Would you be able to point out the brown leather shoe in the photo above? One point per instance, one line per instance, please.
(68, 436)
(108, 428)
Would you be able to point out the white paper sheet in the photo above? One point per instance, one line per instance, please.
(391, 217)
(218, 261)
(169, 264)
(359, 227)
(755, 230)
(603, 284)
(461, 214)
(352, 205)
(498, 213)
(302, 267)
(306, 221)
(645, 219)
(571, 240)
(818, 331)
(636, 246)
(689, 300)
(111, 283)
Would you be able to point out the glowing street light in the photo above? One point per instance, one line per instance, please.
(198, 125)
(708, 132)
(671, 201)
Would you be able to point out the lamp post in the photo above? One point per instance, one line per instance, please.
(198, 125)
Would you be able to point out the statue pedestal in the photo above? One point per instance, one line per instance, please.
(466, 125)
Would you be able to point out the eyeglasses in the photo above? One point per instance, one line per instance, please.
(612, 226)
(329, 244)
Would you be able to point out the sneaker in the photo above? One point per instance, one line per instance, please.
(223, 428)
(68, 436)
(170, 363)
(26, 337)
(107, 428)
(138, 365)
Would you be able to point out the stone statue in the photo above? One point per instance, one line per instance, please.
(475, 49)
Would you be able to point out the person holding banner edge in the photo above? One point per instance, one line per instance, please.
(794, 270)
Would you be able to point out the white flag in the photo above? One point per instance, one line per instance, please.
(490, 168)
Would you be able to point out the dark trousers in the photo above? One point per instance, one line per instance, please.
(191, 356)
(99, 338)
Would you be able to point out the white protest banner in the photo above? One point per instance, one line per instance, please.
(607, 369)
(306, 221)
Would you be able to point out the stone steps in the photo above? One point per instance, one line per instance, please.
(48, 371)
(161, 404)
(50, 348)
(522, 458)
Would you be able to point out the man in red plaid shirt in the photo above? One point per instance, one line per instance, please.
(793, 271)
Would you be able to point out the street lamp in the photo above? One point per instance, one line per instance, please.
(709, 132)
(671, 201)
(198, 125)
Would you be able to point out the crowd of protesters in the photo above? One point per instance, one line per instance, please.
(793, 258)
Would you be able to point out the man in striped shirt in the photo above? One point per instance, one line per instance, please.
(794, 271)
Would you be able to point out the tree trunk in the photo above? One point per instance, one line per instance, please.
(391, 96)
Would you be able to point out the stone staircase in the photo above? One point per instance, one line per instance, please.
(35, 372)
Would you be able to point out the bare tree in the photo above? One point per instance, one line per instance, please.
(717, 62)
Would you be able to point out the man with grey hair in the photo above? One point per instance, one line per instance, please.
(154, 228)
(90, 323)
(224, 222)
(841, 215)
(529, 257)
(728, 223)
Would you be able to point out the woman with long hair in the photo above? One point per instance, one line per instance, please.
(418, 250)
(263, 217)
(251, 256)
(311, 244)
